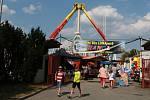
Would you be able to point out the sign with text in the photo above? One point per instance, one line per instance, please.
(114, 46)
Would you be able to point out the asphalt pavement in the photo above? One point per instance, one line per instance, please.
(91, 90)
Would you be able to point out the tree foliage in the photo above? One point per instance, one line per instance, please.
(131, 53)
(35, 45)
(20, 54)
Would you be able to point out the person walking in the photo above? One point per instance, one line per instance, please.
(76, 82)
(111, 78)
(59, 76)
(103, 76)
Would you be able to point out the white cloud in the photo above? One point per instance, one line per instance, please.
(68, 31)
(107, 11)
(8, 11)
(97, 15)
(100, 11)
(140, 27)
(147, 17)
(119, 27)
(143, 24)
(32, 8)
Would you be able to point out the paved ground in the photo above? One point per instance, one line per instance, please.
(92, 91)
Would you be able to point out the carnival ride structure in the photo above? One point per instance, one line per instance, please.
(77, 7)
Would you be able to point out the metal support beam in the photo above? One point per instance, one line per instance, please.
(1, 9)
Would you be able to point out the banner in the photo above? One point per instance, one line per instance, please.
(114, 47)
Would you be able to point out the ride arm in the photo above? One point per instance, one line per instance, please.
(62, 24)
(95, 26)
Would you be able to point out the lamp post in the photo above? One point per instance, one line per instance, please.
(1, 9)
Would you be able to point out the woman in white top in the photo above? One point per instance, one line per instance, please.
(111, 78)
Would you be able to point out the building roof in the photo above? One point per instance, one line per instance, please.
(97, 58)
(146, 45)
(52, 43)
(62, 52)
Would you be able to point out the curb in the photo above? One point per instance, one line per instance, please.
(33, 93)
(30, 94)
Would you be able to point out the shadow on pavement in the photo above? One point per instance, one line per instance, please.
(138, 94)
(65, 93)
(115, 87)
(83, 95)
(92, 81)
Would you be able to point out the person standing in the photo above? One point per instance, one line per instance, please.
(124, 77)
(59, 76)
(76, 82)
(103, 76)
(86, 72)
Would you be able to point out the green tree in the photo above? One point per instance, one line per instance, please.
(35, 45)
(21, 55)
(124, 55)
(131, 53)
(11, 56)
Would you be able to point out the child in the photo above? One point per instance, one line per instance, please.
(76, 82)
(59, 75)
(111, 78)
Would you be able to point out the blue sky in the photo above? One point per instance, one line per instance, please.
(125, 19)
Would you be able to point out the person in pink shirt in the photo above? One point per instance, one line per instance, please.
(103, 76)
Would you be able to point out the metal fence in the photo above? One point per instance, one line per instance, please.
(146, 73)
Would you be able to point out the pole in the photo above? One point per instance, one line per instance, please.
(1, 9)
(77, 36)
(140, 51)
(60, 38)
(77, 33)
(105, 24)
(141, 59)
(78, 22)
